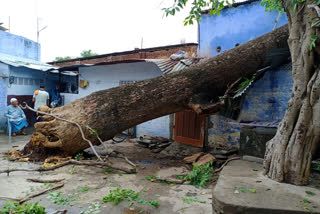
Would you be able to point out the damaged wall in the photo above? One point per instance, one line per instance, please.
(268, 97)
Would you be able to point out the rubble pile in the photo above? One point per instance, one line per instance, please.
(155, 143)
(216, 156)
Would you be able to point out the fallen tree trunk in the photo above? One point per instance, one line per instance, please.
(114, 110)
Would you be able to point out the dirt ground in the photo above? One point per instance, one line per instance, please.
(91, 184)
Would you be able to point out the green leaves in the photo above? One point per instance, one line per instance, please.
(200, 175)
(28, 208)
(192, 200)
(310, 193)
(313, 40)
(118, 195)
(56, 198)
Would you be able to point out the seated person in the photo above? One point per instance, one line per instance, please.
(17, 118)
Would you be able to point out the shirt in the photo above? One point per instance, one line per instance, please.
(41, 99)
(16, 112)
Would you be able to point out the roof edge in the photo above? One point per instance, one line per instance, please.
(237, 4)
(124, 52)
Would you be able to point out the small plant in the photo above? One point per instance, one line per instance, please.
(118, 195)
(200, 175)
(192, 200)
(28, 208)
(56, 198)
(73, 170)
(94, 208)
(310, 193)
(79, 156)
(151, 178)
(84, 189)
(180, 177)
(108, 170)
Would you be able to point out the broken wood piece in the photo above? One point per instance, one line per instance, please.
(60, 212)
(74, 162)
(205, 159)
(193, 158)
(168, 180)
(40, 193)
(45, 181)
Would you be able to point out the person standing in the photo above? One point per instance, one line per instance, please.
(17, 118)
(40, 98)
(55, 96)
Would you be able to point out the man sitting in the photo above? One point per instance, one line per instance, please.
(17, 118)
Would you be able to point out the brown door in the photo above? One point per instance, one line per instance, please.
(189, 128)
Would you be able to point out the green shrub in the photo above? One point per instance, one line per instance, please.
(28, 208)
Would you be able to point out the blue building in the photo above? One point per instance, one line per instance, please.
(21, 72)
(265, 100)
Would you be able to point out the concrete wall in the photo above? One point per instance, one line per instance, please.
(26, 81)
(221, 134)
(4, 70)
(109, 76)
(235, 25)
(267, 99)
(19, 46)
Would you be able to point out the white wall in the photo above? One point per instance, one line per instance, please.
(109, 76)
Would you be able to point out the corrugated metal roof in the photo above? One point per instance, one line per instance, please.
(28, 63)
(168, 65)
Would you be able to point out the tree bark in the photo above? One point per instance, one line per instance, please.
(289, 154)
(116, 109)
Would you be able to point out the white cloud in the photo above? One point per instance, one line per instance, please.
(101, 25)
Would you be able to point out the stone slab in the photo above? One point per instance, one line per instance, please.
(270, 197)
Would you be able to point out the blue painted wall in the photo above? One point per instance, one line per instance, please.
(267, 98)
(4, 70)
(235, 25)
(19, 46)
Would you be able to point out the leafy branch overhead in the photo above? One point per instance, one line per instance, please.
(214, 7)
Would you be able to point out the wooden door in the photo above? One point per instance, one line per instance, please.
(189, 128)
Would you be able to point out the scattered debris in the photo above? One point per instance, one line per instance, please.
(118, 195)
(205, 159)
(73, 162)
(41, 193)
(155, 143)
(45, 181)
(193, 158)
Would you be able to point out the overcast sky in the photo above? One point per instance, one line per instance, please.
(103, 26)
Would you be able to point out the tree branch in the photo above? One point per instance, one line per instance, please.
(70, 162)
(314, 6)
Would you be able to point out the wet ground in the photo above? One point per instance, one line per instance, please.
(87, 185)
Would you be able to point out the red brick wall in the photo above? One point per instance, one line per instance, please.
(154, 53)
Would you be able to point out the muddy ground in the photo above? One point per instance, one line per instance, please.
(91, 184)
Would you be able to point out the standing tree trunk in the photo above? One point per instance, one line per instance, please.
(116, 109)
(289, 154)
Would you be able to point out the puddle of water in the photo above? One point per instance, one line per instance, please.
(146, 162)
